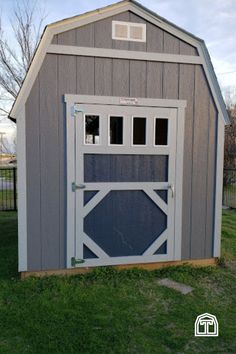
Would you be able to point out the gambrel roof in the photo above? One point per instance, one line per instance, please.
(102, 13)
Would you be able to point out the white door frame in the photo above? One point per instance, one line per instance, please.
(74, 106)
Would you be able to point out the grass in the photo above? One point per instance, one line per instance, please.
(6, 173)
(229, 235)
(6, 199)
(107, 311)
(230, 196)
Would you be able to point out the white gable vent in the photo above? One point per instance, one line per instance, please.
(129, 31)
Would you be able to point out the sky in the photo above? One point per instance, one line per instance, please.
(212, 20)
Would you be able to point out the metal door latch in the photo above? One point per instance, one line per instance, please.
(172, 188)
(75, 261)
(75, 186)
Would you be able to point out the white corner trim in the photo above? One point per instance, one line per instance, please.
(123, 54)
(210, 82)
(219, 187)
(22, 193)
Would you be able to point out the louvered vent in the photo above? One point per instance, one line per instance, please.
(136, 32)
(128, 31)
(121, 31)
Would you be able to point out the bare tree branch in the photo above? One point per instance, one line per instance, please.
(15, 59)
(230, 130)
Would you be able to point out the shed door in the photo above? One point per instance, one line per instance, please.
(124, 184)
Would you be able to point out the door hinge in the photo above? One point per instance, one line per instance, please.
(75, 186)
(172, 188)
(75, 261)
(76, 109)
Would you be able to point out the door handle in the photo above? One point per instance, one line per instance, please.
(172, 188)
(75, 186)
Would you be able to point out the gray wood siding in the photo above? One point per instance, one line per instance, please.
(186, 91)
(99, 35)
(33, 179)
(46, 146)
(49, 164)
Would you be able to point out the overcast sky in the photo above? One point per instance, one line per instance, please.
(212, 20)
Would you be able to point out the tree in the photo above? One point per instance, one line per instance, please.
(230, 137)
(16, 57)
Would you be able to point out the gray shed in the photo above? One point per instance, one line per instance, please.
(120, 145)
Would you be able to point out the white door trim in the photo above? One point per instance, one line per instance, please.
(73, 103)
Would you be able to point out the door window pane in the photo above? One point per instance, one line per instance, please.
(92, 129)
(161, 131)
(139, 131)
(116, 130)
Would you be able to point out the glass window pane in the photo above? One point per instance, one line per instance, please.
(139, 131)
(92, 129)
(161, 131)
(116, 130)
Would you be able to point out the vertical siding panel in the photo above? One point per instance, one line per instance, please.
(85, 65)
(116, 44)
(170, 81)
(33, 179)
(138, 78)
(186, 92)
(85, 36)
(103, 77)
(187, 49)
(155, 38)
(49, 145)
(66, 84)
(67, 38)
(154, 80)
(142, 46)
(120, 77)
(85, 75)
(199, 179)
(171, 44)
(55, 39)
(211, 177)
(103, 33)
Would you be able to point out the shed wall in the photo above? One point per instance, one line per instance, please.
(46, 143)
(99, 35)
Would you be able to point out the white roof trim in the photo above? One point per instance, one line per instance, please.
(96, 15)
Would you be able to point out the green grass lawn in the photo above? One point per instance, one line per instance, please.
(107, 311)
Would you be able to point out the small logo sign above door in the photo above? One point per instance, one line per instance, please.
(131, 101)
